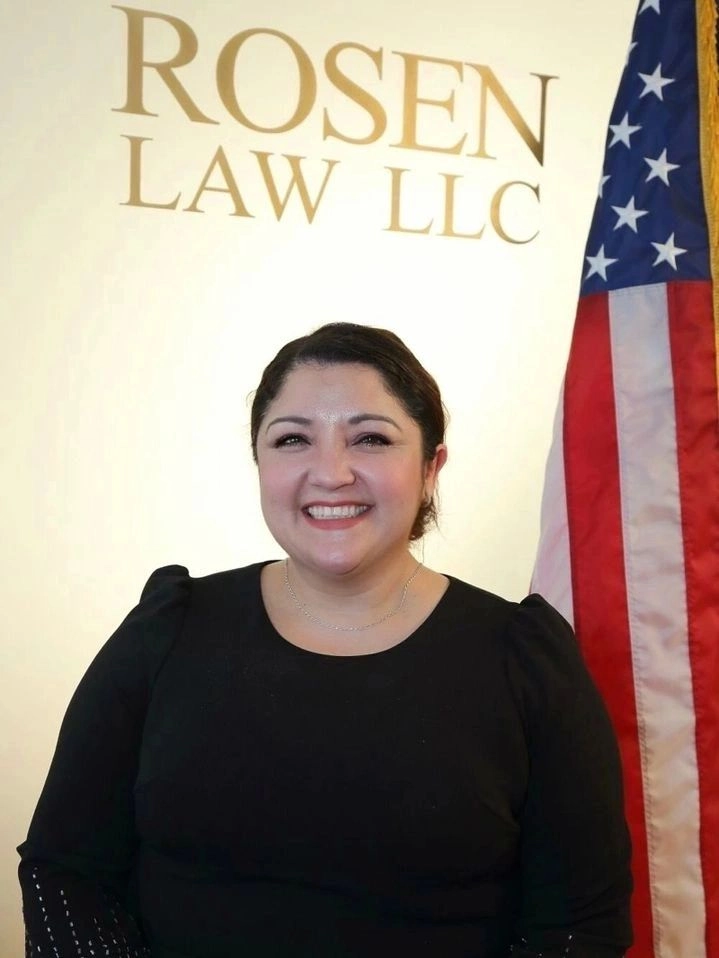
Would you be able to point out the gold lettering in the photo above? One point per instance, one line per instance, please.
(395, 214)
(496, 211)
(412, 100)
(135, 198)
(219, 160)
(136, 63)
(226, 80)
(490, 84)
(355, 93)
(449, 181)
(279, 204)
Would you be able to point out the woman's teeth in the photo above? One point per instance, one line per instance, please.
(336, 512)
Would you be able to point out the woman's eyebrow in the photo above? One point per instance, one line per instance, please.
(368, 416)
(297, 420)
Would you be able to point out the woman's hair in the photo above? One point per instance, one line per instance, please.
(402, 373)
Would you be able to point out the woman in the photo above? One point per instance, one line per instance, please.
(342, 753)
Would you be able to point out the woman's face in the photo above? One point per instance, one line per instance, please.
(341, 470)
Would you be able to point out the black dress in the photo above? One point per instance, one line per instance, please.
(218, 792)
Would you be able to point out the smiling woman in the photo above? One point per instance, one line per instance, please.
(341, 753)
(348, 454)
(342, 493)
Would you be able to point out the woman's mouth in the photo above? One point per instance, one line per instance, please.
(335, 512)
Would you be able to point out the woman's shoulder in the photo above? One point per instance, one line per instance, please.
(545, 661)
(542, 637)
(529, 618)
(146, 636)
(463, 593)
(142, 640)
(509, 619)
(541, 659)
(534, 636)
(241, 575)
(176, 582)
(241, 583)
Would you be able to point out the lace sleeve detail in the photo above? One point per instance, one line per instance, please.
(570, 948)
(68, 918)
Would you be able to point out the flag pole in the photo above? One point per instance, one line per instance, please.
(708, 71)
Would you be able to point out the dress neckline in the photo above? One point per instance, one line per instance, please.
(409, 640)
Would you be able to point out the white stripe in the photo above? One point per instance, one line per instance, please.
(552, 575)
(656, 593)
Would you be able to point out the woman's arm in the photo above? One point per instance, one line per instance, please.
(575, 852)
(76, 868)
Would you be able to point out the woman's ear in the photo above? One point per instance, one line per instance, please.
(432, 469)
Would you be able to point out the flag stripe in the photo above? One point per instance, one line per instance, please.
(656, 593)
(601, 614)
(552, 573)
(694, 365)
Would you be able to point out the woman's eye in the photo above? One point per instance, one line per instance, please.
(291, 439)
(373, 439)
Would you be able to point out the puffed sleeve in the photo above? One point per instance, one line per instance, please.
(574, 843)
(77, 860)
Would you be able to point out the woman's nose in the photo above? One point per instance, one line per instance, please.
(331, 466)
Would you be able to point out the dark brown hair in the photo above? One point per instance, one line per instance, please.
(402, 373)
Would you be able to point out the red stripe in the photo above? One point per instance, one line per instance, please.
(597, 560)
(691, 332)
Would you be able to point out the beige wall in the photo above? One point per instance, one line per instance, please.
(133, 335)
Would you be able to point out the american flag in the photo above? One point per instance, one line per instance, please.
(629, 547)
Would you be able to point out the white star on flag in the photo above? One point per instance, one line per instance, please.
(667, 252)
(628, 215)
(602, 181)
(650, 5)
(660, 167)
(598, 264)
(622, 131)
(655, 82)
(629, 51)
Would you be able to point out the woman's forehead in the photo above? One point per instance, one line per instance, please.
(344, 384)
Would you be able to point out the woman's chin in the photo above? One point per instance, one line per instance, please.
(333, 563)
(334, 566)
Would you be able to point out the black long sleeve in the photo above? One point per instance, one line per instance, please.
(574, 848)
(77, 859)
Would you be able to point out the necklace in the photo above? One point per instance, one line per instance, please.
(348, 628)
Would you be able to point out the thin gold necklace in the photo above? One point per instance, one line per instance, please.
(347, 628)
